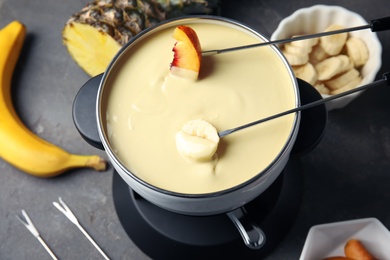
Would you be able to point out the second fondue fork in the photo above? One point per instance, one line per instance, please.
(384, 80)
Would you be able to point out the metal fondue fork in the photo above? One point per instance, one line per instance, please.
(376, 25)
(69, 214)
(30, 226)
(384, 80)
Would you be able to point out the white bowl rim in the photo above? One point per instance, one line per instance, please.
(310, 239)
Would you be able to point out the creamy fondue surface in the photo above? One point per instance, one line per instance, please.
(147, 106)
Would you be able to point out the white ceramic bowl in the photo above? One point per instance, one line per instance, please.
(329, 239)
(316, 19)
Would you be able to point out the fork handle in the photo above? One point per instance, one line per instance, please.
(381, 24)
(43, 243)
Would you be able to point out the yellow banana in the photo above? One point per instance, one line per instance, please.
(18, 145)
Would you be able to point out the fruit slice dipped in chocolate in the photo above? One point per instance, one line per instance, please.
(187, 53)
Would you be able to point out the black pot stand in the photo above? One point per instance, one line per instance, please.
(162, 234)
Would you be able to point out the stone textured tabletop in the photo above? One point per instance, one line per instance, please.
(347, 176)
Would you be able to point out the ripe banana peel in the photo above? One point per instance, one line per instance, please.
(18, 145)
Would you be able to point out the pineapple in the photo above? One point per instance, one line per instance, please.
(95, 34)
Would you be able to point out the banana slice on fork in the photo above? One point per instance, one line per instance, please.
(197, 140)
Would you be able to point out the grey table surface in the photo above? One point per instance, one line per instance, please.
(347, 176)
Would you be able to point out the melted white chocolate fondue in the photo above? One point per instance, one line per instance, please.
(147, 107)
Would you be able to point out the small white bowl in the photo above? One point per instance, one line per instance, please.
(329, 239)
(316, 19)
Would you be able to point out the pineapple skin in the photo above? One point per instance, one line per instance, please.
(97, 32)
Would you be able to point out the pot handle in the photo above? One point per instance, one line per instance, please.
(84, 111)
(252, 235)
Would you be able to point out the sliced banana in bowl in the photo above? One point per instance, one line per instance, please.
(335, 58)
(333, 44)
(357, 50)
